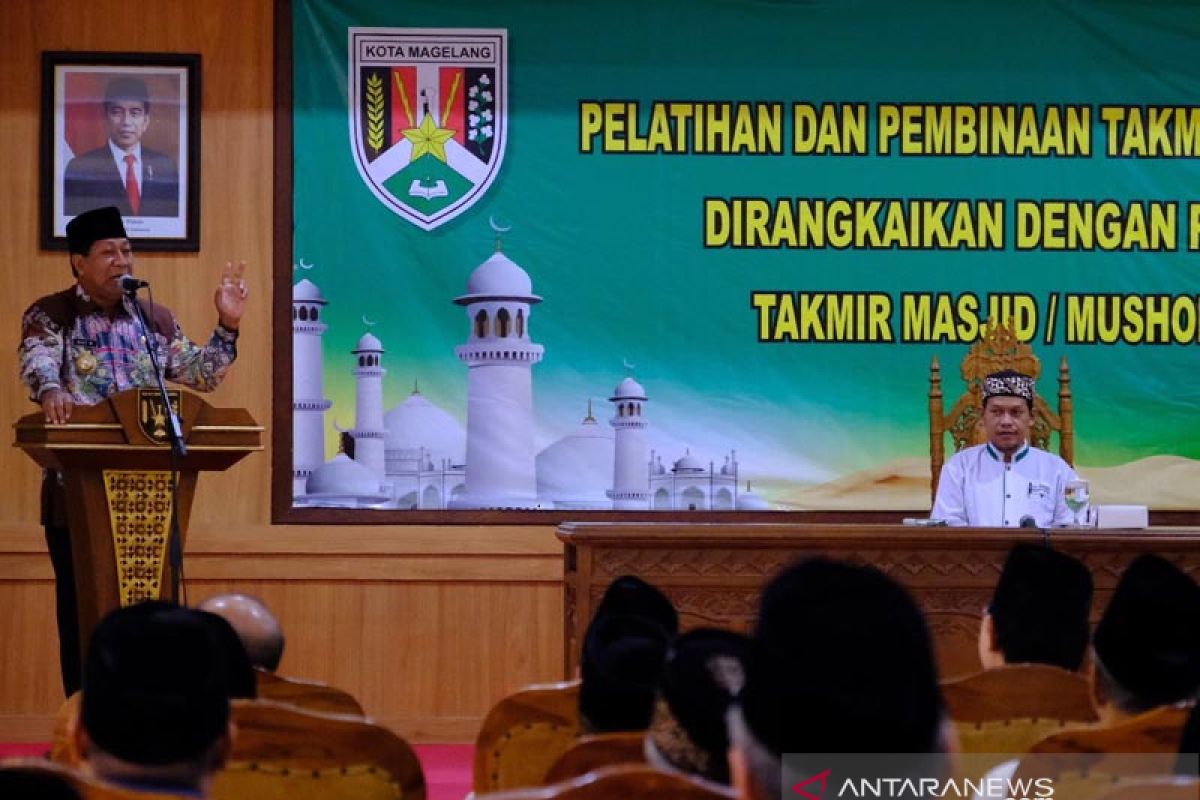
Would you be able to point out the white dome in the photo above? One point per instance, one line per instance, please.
(499, 276)
(343, 477)
(689, 463)
(750, 501)
(305, 291)
(417, 423)
(369, 342)
(578, 467)
(628, 389)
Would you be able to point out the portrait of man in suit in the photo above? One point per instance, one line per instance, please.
(139, 181)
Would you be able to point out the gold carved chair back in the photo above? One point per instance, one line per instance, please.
(998, 349)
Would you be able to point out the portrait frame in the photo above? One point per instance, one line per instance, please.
(78, 155)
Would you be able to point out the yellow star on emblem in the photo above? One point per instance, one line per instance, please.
(428, 139)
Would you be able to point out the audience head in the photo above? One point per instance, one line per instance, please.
(621, 664)
(1039, 611)
(243, 683)
(703, 673)
(841, 662)
(256, 626)
(40, 782)
(630, 594)
(155, 708)
(1147, 644)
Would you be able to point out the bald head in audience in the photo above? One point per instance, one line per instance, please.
(256, 626)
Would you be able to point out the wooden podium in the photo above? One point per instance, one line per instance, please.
(116, 462)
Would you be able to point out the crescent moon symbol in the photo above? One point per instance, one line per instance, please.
(497, 227)
(368, 322)
(302, 265)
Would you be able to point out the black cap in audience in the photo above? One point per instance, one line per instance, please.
(155, 685)
(841, 662)
(630, 594)
(620, 668)
(92, 226)
(704, 671)
(1040, 607)
(243, 682)
(1149, 637)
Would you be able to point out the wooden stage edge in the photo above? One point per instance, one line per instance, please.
(714, 573)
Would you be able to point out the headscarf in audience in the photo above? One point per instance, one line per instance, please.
(704, 671)
(620, 668)
(630, 594)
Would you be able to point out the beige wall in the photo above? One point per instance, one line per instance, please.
(427, 625)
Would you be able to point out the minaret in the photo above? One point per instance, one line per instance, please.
(308, 384)
(631, 484)
(368, 430)
(499, 356)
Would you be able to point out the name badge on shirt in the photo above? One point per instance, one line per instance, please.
(84, 342)
(1038, 491)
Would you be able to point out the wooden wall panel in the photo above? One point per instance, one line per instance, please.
(425, 656)
(427, 625)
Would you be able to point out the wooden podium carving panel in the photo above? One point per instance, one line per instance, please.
(713, 573)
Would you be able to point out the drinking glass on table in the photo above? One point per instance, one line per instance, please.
(1076, 494)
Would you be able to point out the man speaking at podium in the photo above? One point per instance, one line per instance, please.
(84, 344)
(1004, 482)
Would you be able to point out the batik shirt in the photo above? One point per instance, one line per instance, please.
(70, 343)
(978, 487)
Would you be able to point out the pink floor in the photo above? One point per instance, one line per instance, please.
(447, 766)
(447, 769)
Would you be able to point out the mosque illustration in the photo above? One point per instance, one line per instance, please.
(418, 456)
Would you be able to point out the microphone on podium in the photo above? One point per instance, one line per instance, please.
(130, 284)
(1028, 521)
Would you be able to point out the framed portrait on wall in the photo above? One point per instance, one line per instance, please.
(122, 129)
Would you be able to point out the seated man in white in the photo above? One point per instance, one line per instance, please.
(1004, 483)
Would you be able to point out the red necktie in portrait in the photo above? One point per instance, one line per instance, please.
(131, 183)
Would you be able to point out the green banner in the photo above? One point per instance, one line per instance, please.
(700, 255)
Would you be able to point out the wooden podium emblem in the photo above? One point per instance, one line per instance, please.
(152, 414)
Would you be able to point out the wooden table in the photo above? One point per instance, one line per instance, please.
(713, 573)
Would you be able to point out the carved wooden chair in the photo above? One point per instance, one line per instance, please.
(287, 753)
(1157, 731)
(524, 734)
(593, 752)
(306, 694)
(1010, 709)
(1087, 762)
(996, 350)
(624, 780)
(62, 740)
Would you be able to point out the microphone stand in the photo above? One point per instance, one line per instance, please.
(174, 435)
